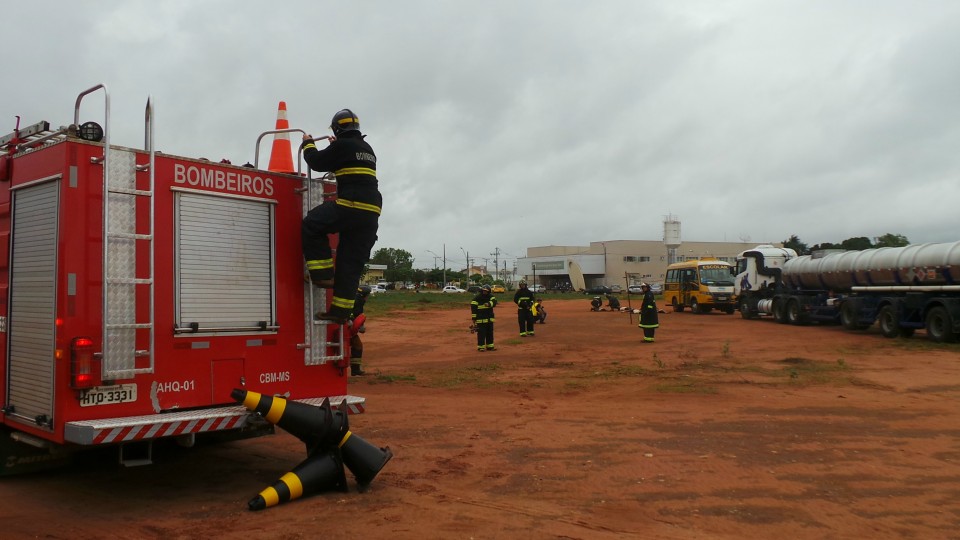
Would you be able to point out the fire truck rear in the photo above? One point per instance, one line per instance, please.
(138, 289)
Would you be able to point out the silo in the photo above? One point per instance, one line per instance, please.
(671, 236)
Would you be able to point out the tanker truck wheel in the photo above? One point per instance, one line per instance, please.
(780, 312)
(939, 325)
(888, 322)
(794, 315)
(849, 316)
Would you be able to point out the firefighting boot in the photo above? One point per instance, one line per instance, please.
(356, 370)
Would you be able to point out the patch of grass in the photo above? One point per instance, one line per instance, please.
(381, 378)
(691, 387)
(478, 375)
(806, 371)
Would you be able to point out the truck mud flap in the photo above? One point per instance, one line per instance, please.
(17, 457)
(179, 424)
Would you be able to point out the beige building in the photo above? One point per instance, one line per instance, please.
(619, 262)
(374, 274)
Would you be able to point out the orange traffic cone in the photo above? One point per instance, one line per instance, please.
(281, 156)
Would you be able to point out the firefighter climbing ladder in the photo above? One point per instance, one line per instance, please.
(318, 348)
(323, 349)
(122, 287)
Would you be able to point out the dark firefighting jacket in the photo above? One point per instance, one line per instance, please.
(352, 160)
(481, 308)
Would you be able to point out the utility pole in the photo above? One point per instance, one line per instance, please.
(496, 262)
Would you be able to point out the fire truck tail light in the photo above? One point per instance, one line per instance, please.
(82, 368)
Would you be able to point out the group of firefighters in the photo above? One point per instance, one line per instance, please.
(354, 215)
(529, 311)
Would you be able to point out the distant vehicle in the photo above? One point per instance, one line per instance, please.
(655, 288)
(537, 288)
(701, 285)
(453, 289)
(410, 286)
(601, 289)
(378, 288)
(497, 288)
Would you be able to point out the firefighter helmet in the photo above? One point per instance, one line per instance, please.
(485, 289)
(523, 284)
(344, 120)
(364, 290)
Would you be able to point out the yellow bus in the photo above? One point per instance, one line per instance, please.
(702, 285)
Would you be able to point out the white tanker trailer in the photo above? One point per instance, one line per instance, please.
(902, 289)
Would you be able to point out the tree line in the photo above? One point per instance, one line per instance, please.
(857, 243)
(399, 263)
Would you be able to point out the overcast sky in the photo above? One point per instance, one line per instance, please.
(508, 124)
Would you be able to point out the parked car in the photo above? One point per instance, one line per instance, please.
(473, 289)
(378, 288)
(602, 289)
(655, 288)
(497, 289)
(537, 288)
(453, 289)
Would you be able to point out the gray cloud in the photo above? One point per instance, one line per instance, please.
(514, 124)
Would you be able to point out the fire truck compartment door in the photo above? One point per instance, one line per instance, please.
(33, 292)
(225, 263)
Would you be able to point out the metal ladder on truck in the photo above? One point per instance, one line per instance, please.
(319, 347)
(122, 243)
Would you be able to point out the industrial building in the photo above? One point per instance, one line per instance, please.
(621, 262)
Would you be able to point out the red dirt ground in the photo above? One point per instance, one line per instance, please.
(722, 429)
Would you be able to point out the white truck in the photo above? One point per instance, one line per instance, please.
(902, 289)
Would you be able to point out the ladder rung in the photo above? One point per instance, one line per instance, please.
(138, 192)
(130, 236)
(130, 281)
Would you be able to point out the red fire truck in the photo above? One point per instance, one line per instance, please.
(138, 289)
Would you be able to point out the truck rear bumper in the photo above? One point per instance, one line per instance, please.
(154, 426)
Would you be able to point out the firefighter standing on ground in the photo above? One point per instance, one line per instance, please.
(481, 315)
(354, 214)
(523, 298)
(649, 320)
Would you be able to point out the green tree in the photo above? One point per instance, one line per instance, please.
(857, 243)
(825, 245)
(891, 240)
(795, 243)
(399, 263)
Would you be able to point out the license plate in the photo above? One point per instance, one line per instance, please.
(108, 395)
(722, 299)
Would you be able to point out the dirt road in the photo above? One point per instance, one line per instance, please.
(723, 429)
